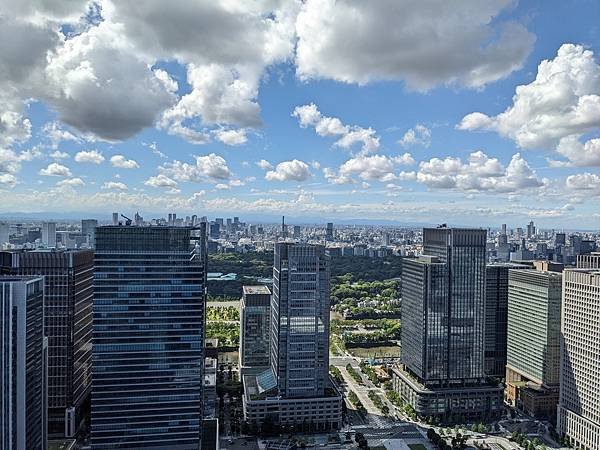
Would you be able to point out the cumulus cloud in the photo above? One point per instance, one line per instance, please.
(348, 135)
(56, 170)
(479, 174)
(91, 156)
(583, 182)
(293, 170)
(118, 185)
(57, 154)
(71, 182)
(434, 42)
(121, 162)
(207, 168)
(369, 168)
(56, 134)
(419, 135)
(93, 73)
(555, 110)
(13, 128)
(161, 181)
(264, 164)
(232, 137)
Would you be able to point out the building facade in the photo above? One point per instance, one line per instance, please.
(255, 315)
(49, 234)
(496, 318)
(68, 278)
(88, 229)
(443, 318)
(148, 331)
(533, 344)
(578, 410)
(23, 360)
(296, 391)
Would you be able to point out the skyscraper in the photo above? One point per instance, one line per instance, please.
(49, 234)
(148, 332)
(329, 232)
(23, 359)
(532, 367)
(254, 321)
(4, 234)
(88, 228)
(496, 318)
(443, 318)
(578, 415)
(296, 390)
(68, 277)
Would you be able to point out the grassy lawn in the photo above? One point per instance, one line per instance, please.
(417, 447)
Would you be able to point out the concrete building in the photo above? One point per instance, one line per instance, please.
(4, 234)
(255, 335)
(578, 410)
(209, 391)
(591, 261)
(68, 277)
(23, 364)
(88, 229)
(49, 234)
(148, 332)
(533, 345)
(296, 391)
(443, 319)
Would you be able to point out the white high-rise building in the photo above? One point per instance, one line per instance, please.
(579, 404)
(49, 234)
(4, 234)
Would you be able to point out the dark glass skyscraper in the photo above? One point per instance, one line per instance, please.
(68, 277)
(23, 360)
(443, 319)
(148, 332)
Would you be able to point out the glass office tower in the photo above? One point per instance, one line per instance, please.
(443, 322)
(23, 362)
(148, 331)
(68, 277)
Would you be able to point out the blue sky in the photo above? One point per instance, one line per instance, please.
(383, 110)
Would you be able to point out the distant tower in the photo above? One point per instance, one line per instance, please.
(49, 234)
(4, 234)
(115, 218)
(283, 227)
(329, 232)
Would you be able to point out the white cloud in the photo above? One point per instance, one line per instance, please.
(560, 106)
(91, 156)
(480, 174)
(232, 137)
(56, 170)
(583, 182)
(208, 167)
(419, 135)
(117, 185)
(370, 168)
(264, 164)
(121, 162)
(71, 182)
(348, 135)
(293, 170)
(57, 154)
(433, 42)
(580, 154)
(56, 134)
(8, 179)
(161, 181)
(14, 128)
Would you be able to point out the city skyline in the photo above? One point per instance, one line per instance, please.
(496, 123)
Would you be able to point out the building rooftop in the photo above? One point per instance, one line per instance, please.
(256, 290)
